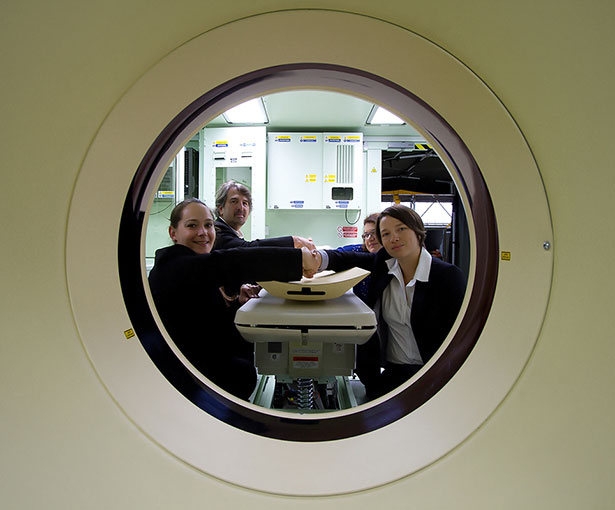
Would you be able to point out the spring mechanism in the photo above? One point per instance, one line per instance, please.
(305, 393)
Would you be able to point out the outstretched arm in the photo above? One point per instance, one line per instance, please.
(302, 242)
(342, 260)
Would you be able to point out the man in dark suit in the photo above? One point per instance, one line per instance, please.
(233, 206)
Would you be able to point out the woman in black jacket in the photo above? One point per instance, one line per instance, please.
(197, 292)
(416, 299)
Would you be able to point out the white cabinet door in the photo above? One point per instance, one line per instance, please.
(342, 170)
(294, 170)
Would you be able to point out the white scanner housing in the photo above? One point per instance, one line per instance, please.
(313, 339)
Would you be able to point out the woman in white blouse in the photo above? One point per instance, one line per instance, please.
(416, 298)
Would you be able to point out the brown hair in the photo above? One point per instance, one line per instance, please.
(372, 218)
(408, 217)
(224, 190)
(178, 210)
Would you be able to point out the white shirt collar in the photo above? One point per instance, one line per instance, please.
(422, 269)
(237, 232)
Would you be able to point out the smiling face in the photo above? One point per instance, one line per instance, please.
(195, 228)
(235, 210)
(398, 239)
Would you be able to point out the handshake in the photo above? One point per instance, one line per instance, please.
(311, 261)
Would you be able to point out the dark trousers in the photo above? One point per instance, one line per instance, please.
(391, 377)
(235, 375)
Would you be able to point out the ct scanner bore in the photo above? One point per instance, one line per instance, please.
(308, 427)
(384, 448)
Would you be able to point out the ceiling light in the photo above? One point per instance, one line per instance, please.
(250, 112)
(379, 115)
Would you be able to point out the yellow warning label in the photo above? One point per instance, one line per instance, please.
(282, 138)
(374, 170)
(329, 178)
(129, 333)
(505, 255)
(310, 178)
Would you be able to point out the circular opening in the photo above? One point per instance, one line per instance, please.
(469, 182)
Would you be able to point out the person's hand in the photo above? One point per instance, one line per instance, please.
(311, 262)
(302, 242)
(248, 292)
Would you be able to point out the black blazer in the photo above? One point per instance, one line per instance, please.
(435, 305)
(227, 238)
(185, 288)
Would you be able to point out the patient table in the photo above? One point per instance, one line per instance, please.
(305, 342)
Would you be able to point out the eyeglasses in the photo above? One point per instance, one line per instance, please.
(368, 235)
